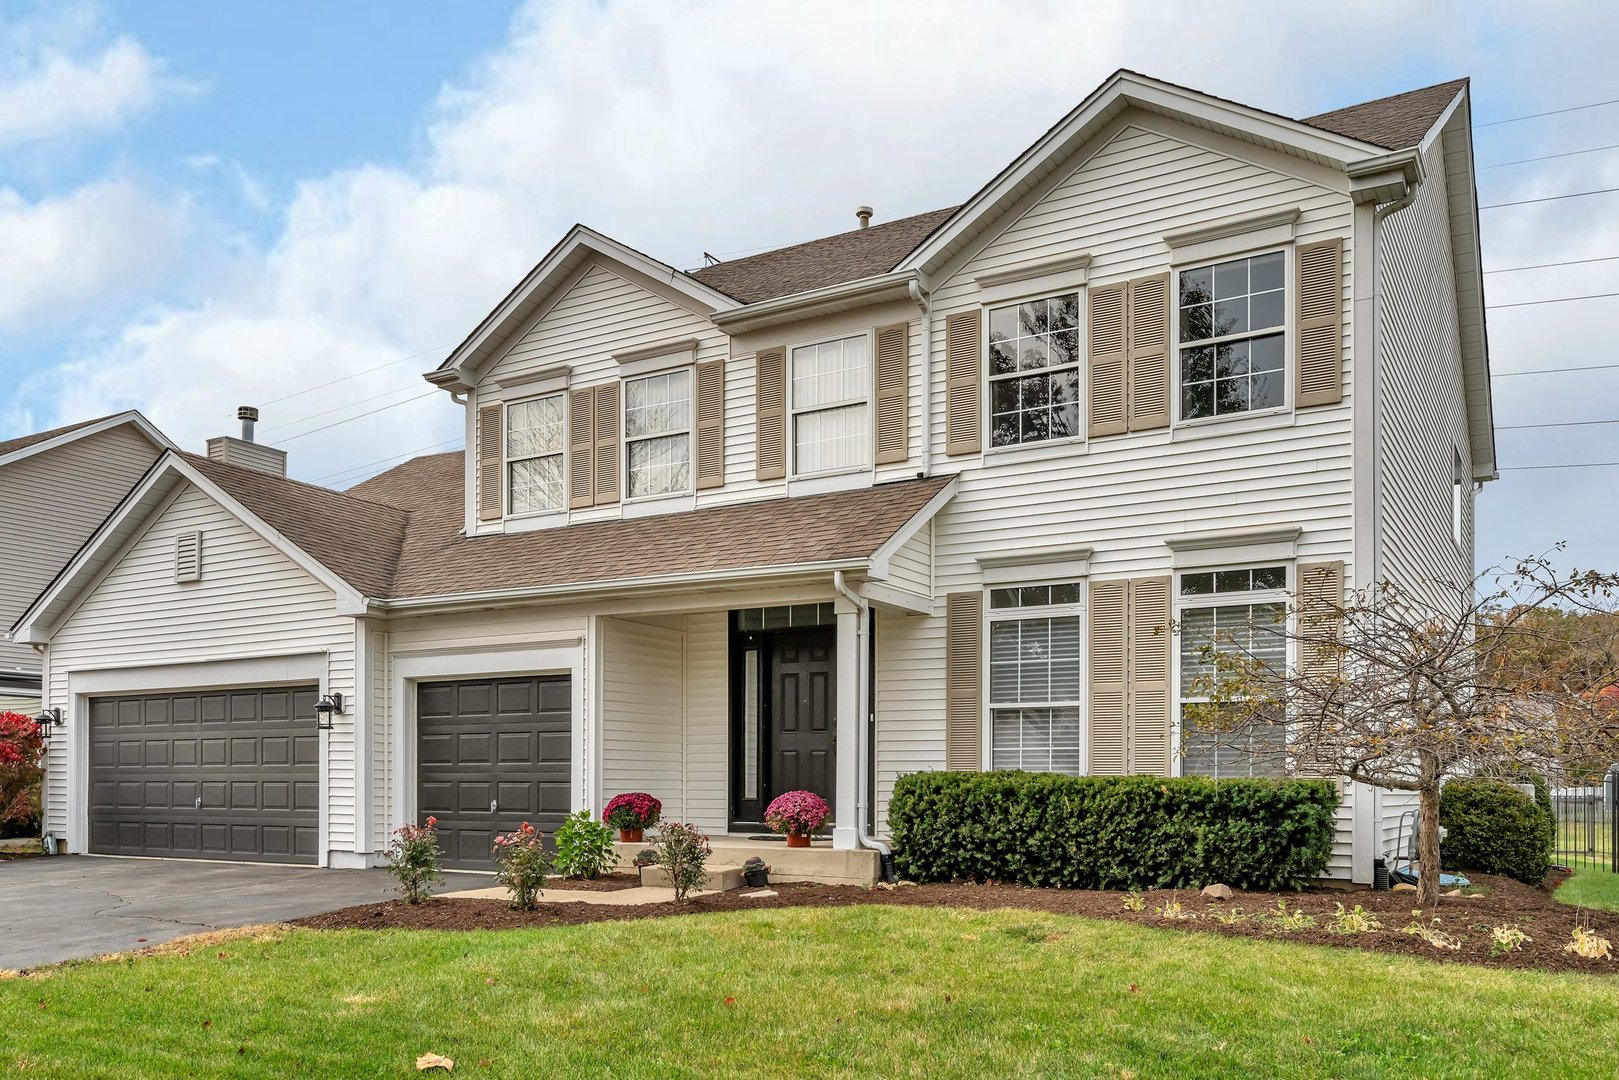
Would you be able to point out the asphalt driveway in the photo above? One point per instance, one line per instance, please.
(55, 909)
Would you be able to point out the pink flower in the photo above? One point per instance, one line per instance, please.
(798, 813)
(432, 822)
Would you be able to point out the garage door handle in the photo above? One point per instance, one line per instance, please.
(494, 804)
(199, 802)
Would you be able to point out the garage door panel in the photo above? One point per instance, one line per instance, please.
(507, 750)
(249, 756)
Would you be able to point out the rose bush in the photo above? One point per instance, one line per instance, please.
(683, 851)
(797, 813)
(413, 859)
(21, 752)
(632, 810)
(524, 864)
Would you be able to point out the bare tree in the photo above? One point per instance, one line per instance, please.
(1404, 689)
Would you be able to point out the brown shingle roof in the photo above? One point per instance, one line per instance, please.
(25, 441)
(831, 260)
(1395, 122)
(437, 559)
(358, 539)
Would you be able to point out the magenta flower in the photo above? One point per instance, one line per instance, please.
(633, 810)
(797, 813)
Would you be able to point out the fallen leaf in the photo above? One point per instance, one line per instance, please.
(483, 1063)
(434, 1061)
(730, 1001)
(489, 982)
(140, 939)
(207, 1023)
(221, 956)
(1134, 989)
(42, 1003)
(241, 1050)
(947, 999)
(1309, 1041)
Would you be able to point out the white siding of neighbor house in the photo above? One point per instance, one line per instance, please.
(47, 525)
(1421, 402)
(251, 602)
(643, 711)
(27, 704)
(1124, 495)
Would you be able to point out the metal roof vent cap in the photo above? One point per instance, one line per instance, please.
(249, 416)
(864, 214)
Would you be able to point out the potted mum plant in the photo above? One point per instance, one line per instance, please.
(756, 872)
(797, 814)
(631, 813)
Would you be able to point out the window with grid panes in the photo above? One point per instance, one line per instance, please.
(1232, 338)
(1035, 679)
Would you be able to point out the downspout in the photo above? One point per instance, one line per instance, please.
(924, 300)
(862, 744)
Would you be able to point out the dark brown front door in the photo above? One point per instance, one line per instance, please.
(783, 719)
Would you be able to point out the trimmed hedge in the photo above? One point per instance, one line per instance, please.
(1104, 832)
(1494, 828)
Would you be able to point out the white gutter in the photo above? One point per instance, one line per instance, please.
(894, 285)
(863, 740)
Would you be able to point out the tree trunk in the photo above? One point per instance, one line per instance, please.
(1428, 847)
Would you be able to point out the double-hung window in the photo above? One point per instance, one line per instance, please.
(1232, 337)
(1035, 679)
(657, 434)
(1034, 370)
(535, 438)
(831, 393)
(1235, 612)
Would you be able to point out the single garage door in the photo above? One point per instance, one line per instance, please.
(493, 754)
(225, 774)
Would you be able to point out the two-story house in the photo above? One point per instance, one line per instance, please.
(964, 490)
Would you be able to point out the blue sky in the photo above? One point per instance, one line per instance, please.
(203, 203)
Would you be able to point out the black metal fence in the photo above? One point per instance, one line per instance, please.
(1587, 826)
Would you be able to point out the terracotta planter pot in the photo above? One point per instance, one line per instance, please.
(794, 840)
(630, 836)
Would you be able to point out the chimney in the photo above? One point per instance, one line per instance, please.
(244, 452)
(864, 214)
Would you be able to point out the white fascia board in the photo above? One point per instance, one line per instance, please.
(143, 425)
(902, 536)
(557, 264)
(1123, 90)
(824, 301)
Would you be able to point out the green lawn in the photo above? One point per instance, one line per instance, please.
(867, 991)
(1591, 888)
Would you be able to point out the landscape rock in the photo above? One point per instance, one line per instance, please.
(1217, 892)
(760, 895)
(1403, 887)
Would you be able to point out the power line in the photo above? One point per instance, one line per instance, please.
(1549, 198)
(1552, 300)
(1570, 465)
(1552, 370)
(359, 416)
(1559, 423)
(340, 408)
(352, 469)
(1550, 112)
(356, 375)
(1549, 157)
(1545, 266)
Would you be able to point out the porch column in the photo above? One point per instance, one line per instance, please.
(846, 814)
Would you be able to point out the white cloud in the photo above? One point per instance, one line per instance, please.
(47, 93)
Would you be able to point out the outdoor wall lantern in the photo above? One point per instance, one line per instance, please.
(48, 721)
(328, 706)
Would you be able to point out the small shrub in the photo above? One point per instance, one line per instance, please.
(22, 753)
(1134, 901)
(1227, 916)
(523, 865)
(1430, 932)
(1288, 920)
(584, 847)
(1111, 832)
(412, 854)
(1493, 828)
(1357, 920)
(1589, 944)
(683, 851)
(632, 810)
(1507, 939)
(797, 813)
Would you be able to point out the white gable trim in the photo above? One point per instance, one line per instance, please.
(141, 424)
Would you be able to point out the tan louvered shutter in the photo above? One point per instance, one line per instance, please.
(963, 681)
(1319, 325)
(1149, 353)
(770, 439)
(1320, 605)
(581, 448)
(1110, 606)
(963, 376)
(1109, 410)
(1149, 676)
(893, 393)
(607, 445)
(490, 461)
(711, 424)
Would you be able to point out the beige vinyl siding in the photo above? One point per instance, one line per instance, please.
(708, 710)
(1421, 413)
(44, 529)
(382, 742)
(252, 601)
(1122, 495)
(911, 567)
(643, 711)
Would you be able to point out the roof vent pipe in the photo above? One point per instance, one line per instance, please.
(864, 214)
(248, 415)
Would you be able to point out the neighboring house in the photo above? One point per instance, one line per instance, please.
(56, 488)
(930, 494)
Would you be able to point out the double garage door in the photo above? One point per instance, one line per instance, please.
(229, 774)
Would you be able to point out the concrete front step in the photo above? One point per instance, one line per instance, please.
(820, 862)
(720, 878)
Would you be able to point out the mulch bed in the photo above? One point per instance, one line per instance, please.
(1467, 918)
(605, 883)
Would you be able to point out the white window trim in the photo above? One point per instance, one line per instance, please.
(1081, 608)
(558, 390)
(624, 439)
(1041, 289)
(1251, 248)
(1282, 596)
(868, 444)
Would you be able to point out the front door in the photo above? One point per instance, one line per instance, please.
(783, 719)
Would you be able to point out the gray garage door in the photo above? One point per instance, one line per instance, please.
(494, 753)
(227, 774)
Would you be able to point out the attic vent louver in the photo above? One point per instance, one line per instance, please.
(188, 557)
